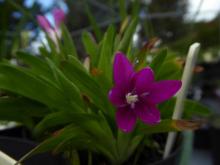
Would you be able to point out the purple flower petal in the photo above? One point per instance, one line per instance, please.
(163, 90)
(44, 23)
(122, 70)
(125, 119)
(117, 97)
(136, 94)
(149, 114)
(143, 80)
(59, 17)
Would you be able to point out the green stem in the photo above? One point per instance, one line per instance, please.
(73, 157)
(139, 150)
(89, 158)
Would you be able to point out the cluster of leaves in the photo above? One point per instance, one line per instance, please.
(56, 92)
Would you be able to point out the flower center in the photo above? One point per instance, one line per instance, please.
(131, 99)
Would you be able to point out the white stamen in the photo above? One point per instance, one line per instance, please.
(131, 99)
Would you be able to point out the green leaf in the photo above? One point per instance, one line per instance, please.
(94, 125)
(53, 49)
(91, 47)
(167, 125)
(37, 65)
(158, 61)
(68, 44)
(44, 52)
(123, 143)
(105, 58)
(135, 8)
(167, 108)
(116, 42)
(191, 108)
(72, 137)
(136, 140)
(21, 110)
(75, 72)
(68, 133)
(127, 37)
(170, 70)
(93, 22)
(73, 157)
(15, 79)
(139, 59)
(21, 107)
(61, 118)
(69, 89)
(122, 9)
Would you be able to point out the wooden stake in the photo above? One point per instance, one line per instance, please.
(186, 78)
(6, 160)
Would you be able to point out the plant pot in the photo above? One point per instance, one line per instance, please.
(16, 148)
(173, 159)
(215, 145)
(154, 156)
(17, 131)
(202, 139)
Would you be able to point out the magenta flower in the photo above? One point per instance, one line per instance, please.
(136, 94)
(59, 17)
(44, 23)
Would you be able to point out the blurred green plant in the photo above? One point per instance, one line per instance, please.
(202, 32)
(64, 100)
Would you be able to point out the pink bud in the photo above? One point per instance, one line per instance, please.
(59, 16)
(44, 23)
